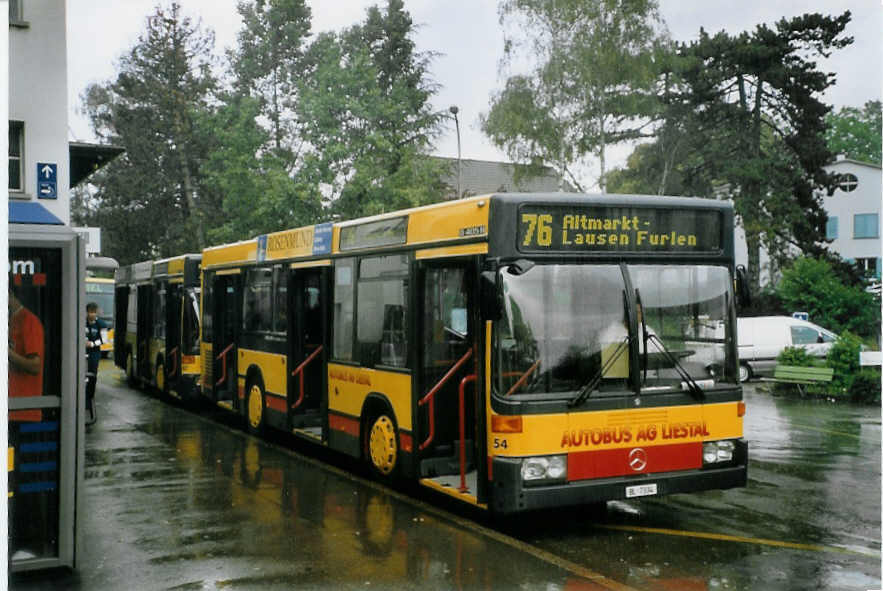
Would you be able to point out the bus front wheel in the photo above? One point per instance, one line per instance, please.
(744, 372)
(381, 445)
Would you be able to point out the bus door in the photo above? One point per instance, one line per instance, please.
(448, 364)
(120, 315)
(144, 331)
(227, 291)
(172, 362)
(308, 295)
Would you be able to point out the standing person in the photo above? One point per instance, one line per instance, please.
(26, 354)
(93, 354)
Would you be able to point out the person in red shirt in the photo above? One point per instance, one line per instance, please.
(26, 354)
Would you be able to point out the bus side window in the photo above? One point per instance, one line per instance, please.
(280, 297)
(382, 311)
(343, 309)
(258, 302)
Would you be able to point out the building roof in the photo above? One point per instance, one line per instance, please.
(479, 177)
(87, 158)
(841, 160)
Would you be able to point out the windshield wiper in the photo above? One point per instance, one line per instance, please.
(590, 386)
(647, 336)
(694, 388)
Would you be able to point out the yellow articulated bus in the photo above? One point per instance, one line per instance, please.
(100, 291)
(514, 351)
(157, 324)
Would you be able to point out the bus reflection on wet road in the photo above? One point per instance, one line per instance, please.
(178, 501)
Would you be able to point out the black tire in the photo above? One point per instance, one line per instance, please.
(130, 369)
(745, 372)
(159, 377)
(255, 406)
(380, 444)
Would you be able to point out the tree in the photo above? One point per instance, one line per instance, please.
(594, 83)
(149, 200)
(856, 133)
(752, 104)
(364, 104)
(255, 189)
(267, 63)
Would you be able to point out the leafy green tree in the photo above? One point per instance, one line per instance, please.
(149, 201)
(267, 64)
(594, 83)
(811, 285)
(255, 188)
(856, 133)
(364, 104)
(752, 103)
(843, 357)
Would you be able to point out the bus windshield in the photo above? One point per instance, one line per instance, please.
(101, 294)
(565, 328)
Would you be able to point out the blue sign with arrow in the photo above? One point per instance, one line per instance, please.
(47, 180)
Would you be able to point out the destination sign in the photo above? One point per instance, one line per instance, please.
(548, 228)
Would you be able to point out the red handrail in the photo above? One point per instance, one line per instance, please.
(173, 354)
(463, 382)
(223, 355)
(300, 372)
(523, 378)
(430, 397)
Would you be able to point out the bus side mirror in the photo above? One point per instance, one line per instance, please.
(491, 304)
(743, 291)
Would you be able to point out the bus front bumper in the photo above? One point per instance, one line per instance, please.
(511, 496)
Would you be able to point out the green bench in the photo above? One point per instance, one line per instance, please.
(801, 376)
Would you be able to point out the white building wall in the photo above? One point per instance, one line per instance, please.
(38, 97)
(864, 199)
(845, 205)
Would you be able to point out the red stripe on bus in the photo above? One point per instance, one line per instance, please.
(605, 463)
(276, 403)
(345, 424)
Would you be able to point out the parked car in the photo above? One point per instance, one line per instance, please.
(762, 338)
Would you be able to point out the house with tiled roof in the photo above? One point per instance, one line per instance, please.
(477, 177)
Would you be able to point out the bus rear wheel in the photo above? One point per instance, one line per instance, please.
(255, 406)
(381, 445)
(744, 372)
(160, 378)
(130, 369)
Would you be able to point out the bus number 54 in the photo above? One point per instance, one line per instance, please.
(501, 443)
(539, 224)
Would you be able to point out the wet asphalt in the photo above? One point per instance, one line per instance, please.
(173, 500)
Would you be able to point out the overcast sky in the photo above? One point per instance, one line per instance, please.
(466, 35)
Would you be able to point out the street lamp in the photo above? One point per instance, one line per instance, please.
(454, 110)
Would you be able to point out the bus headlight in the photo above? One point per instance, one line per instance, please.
(715, 452)
(544, 469)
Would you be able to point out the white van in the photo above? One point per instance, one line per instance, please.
(762, 338)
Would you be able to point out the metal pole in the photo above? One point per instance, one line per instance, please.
(454, 110)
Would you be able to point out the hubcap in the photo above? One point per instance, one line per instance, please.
(382, 445)
(255, 406)
(743, 373)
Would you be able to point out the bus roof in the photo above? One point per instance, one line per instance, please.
(444, 227)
